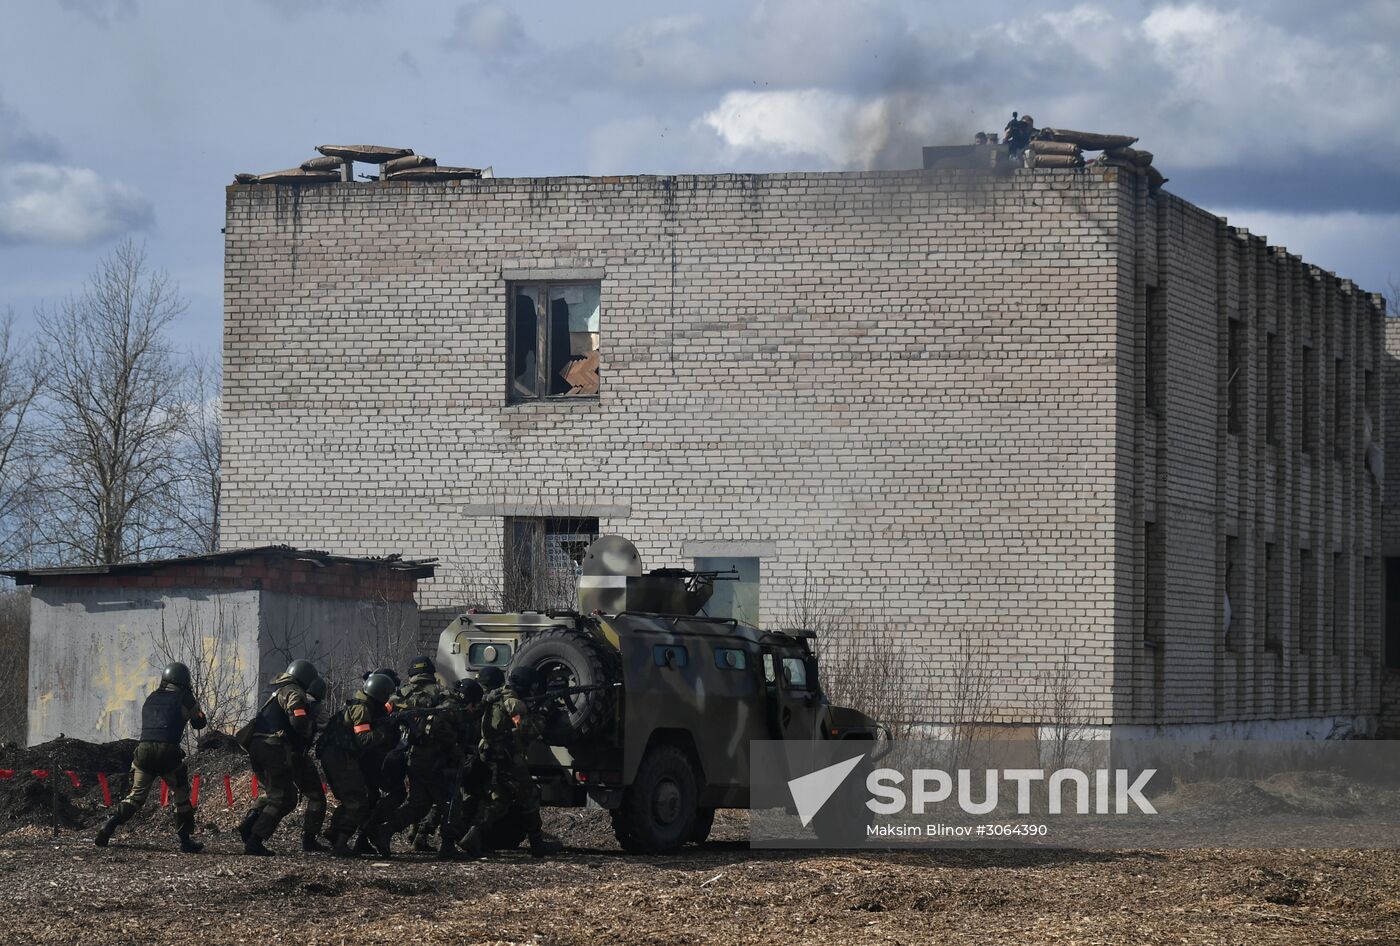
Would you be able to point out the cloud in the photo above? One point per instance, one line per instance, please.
(101, 12)
(18, 142)
(1203, 86)
(57, 204)
(489, 29)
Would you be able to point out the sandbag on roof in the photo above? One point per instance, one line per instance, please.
(411, 161)
(369, 154)
(1034, 160)
(326, 163)
(245, 178)
(1054, 147)
(298, 176)
(434, 174)
(1088, 140)
(1132, 155)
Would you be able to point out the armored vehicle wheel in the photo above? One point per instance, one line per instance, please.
(570, 658)
(704, 821)
(658, 812)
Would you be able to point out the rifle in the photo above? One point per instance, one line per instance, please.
(556, 693)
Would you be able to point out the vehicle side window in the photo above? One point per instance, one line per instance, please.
(670, 655)
(769, 675)
(727, 658)
(794, 673)
(488, 654)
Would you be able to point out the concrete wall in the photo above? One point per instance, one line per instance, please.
(343, 637)
(901, 383)
(95, 654)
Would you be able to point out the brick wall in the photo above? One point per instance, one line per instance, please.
(921, 393)
(902, 382)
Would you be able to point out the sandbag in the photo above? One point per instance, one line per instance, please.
(245, 178)
(1088, 140)
(412, 161)
(1132, 155)
(434, 174)
(322, 164)
(1155, 180)
(1034, 160)
(1040, 146)
(369, 154)
(298, 176)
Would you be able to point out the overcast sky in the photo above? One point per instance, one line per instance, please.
(130, 116)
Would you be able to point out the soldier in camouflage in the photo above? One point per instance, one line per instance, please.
(307, 778)
(507, 728)
(435, 764)
(472, 778)
(356, 733)
(159, 756)
(281, 731)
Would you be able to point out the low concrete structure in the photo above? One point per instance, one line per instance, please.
(100, 634)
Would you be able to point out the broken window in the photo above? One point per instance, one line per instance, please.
(554, 340)
(542, 558)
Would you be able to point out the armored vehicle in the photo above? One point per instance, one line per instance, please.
(657, 703)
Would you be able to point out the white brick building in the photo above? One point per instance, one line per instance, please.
(928, 396)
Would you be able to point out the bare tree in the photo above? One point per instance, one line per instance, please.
(859, 661)
(967, 699)
(114, 410)
(21, 371)
(1061, 716)
(208, 645)
(14, 666)
(199, 455)
(1392, 296)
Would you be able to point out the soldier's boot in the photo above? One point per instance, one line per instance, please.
(472, 843)
(381, 838)
(184, 828)
(254, 845)
(340, 846)
(311, 845)
(542, 845)
(245, 827)
(449, 851)
(422, 841)
(109, 827)
(362, 845)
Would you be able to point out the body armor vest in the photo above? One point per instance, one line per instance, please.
(163, 716)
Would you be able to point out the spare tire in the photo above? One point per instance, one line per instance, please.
(565, 657)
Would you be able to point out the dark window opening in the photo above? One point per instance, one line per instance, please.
(1273, 390)
(670, 655)
(1155, 350)
(1392, 612)
(1307, 602)
(541, 560)
(554, 340)
(1306, 396)
(728, 658)
(1338, 596)
(1234, 382)
(1338, 413)
(1273, 637)
(1234, 597)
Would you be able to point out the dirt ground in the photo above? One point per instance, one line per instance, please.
(141, 891)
